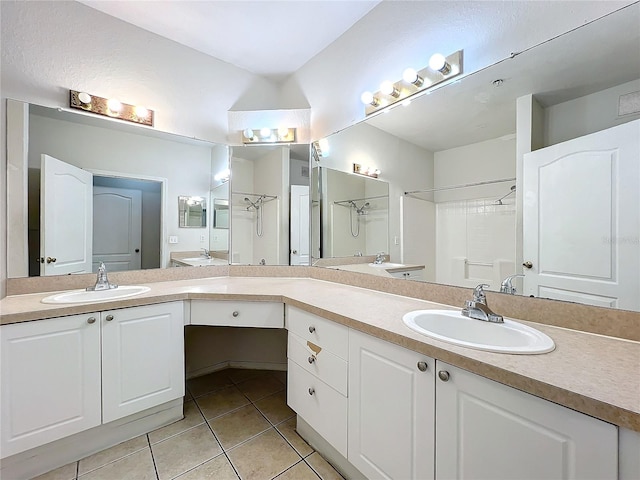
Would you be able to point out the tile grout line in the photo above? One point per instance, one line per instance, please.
(153, 458)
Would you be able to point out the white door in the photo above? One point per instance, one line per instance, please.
(142, 358)
(486, 430)
(117, 229)
(299, 242)
(391, 410)
(50, 380)
(66, 215)
(581, 219)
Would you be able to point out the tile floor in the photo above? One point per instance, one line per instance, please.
(236, 425)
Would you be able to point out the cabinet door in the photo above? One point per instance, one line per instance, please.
(391, 409)
(50, 380)
(486, 430)
(142, 358)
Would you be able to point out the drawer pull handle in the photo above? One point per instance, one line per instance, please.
(311, 391)
(236, 313)
(312, 359)
(422, 366)
(91, 320)
(109, 318)
(444, 375)
(312, 329)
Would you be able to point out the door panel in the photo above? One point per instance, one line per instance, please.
(299, 225)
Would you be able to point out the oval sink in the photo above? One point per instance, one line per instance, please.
(198, 261)
(453, 327)
(82, 296)
(386, 265)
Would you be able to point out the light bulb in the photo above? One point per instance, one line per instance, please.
(389, 88)
(265, 132)
(411, 76)
(368, 99)
(248, 133)
(114, 105)
(324, 147)
(141, 112)
(439, 63)
(283, 131)
(84, 97)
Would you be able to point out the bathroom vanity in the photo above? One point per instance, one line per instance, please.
(375, 397)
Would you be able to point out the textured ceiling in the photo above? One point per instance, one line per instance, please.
(269, 38)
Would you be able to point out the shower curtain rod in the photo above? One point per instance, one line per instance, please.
(454, 187)
(272, 197)
(339, 202)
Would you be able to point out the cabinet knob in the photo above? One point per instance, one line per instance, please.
(235, 314)
(422, 366)
(311, 391)
(312, 329)
(312, 359)
(91, 320)
(444, 375)
(51, 259)
(527, 265)
(109, 318)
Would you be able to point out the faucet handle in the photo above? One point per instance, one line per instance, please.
(478, 293)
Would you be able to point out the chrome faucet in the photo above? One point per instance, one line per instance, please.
(379, 258)
(478, 308)
(102, 282)
(206, 253)
(507, 284)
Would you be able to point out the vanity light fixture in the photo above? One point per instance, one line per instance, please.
(110, 108)
(367, 171)
(268, 136)
(440, 69)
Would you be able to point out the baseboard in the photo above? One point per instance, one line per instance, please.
(236, 364)
(56, 454)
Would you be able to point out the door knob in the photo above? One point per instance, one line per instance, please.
(422, 366)
(109, 318)
(91, 320)
(137, 250)
(294, 252)
(527, 265)
(444, 375)
(51, 259)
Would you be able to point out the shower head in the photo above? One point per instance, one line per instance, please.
(499, 201)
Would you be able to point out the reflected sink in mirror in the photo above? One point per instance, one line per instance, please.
(452, 327)
(386, 265)
(82, 296)
(201, 261)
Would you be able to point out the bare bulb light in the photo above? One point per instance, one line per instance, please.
(248, 133)
(368, 99)
(438, 63)
(411, 76)
(141, 112)
(84, 97)
(283, 132)
(265, 132)
(114, 105)
(388, 88)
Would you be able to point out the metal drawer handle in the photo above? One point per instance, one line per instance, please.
(109, 318)
(235, 314)
(311, 391)
(444, 375)
(422, 366)
(312, 329)
(91, 320)
(312, 359)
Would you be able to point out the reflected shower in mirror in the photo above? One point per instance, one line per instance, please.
(192, 212)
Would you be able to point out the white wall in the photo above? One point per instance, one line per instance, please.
(186, 167)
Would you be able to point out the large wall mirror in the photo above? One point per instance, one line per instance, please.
(467, 205)
(100, 190)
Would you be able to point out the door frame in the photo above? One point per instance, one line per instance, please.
(164, 262)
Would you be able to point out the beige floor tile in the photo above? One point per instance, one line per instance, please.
(259, 387)
(300, 471)
(208, 383)
(263, 457)
(322, 467)
(67, 472)
(275, 407)
(238, 426)
(111, 454)
(238, 375)
(221, 402)
(217, 469)
(192, 418)
(288, 429)
(184, 451)
(138, 466)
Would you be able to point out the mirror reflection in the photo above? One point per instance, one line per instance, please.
(474, 206)
(192, 212)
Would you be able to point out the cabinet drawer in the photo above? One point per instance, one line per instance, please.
(409, 274)
(324, 409)
(324, 333)
(237, 314)
(325, 365)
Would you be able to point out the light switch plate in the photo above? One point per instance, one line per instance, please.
(173, 239)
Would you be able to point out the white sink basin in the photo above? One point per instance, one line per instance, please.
(453, 327)
(386, 265)
(82, 296)
(195, 261)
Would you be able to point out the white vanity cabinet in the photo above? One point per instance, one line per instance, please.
(50, 380)
(487, 430)
(64, 375)
(408, 274)
(317, 374)
(391, 409)
(232, 313)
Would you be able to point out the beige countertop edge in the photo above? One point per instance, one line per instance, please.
(577, 351)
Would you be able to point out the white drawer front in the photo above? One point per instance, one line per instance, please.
(325, 410)
(318, 361)
(325, 333)
(237, 314)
